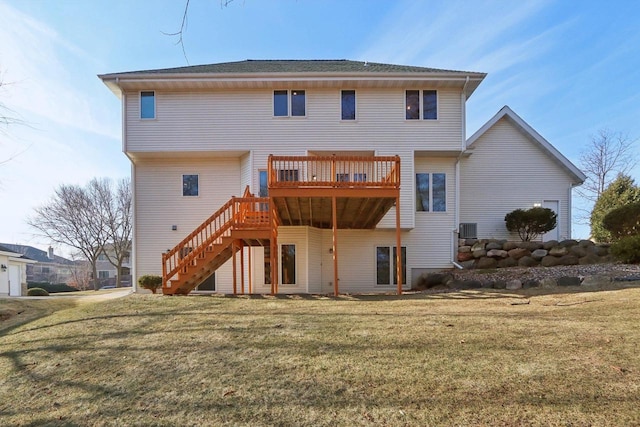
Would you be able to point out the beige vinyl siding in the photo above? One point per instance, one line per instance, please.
(508, 171)
(432, 237)
(314, 262)
(243, 120)
(160, 204)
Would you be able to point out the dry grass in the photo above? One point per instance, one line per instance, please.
(467, 358)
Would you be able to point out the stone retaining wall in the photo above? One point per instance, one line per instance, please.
(491, 253)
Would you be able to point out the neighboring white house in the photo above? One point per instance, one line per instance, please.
(198, 135)
(13, 273)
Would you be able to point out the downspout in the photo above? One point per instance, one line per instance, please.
(463, 147)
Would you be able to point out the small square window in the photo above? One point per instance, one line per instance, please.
(148, 105)
(189, 185)
(348, 105)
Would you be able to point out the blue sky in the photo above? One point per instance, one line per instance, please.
(568, 68)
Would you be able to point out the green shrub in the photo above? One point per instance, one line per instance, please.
(37, 292)
(150, 281)
(531, 223)
(52, 288)
(627, 249)
(623, 221)
(622, 191)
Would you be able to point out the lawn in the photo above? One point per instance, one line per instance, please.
(467, 358)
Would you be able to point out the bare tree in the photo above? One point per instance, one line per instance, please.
(80, 272)
(116, 206)
(607, 155)
(183, 26)
(74, 218)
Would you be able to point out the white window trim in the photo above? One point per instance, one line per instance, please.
(182, 185)
(421, 101)
(355, 100)
(155, 105)
(446, 198)
(289, 99)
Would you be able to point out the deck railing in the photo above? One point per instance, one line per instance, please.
(238, 213)
(334, 171)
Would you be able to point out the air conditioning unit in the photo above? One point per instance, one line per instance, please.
(468, 230)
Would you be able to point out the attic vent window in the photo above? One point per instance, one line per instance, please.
(468, 230)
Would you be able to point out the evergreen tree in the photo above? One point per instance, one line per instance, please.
(622, 191)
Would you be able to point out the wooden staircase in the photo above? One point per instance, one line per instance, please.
(242, 221)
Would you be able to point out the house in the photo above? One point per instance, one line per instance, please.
(306, 176)
(508, 166)
(47, 267)
(107, 272)
(13, 273)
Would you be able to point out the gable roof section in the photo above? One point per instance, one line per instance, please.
(258, 73)
(576, 174)
(34, 253)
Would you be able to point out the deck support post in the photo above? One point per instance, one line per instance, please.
(398, 247)
(250, 268)
(233, 256)
(241, 244)
(334, 247)
(274, 247)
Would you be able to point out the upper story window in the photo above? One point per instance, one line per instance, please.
(431, 192)
(427, 103)
(189, 185)
(148, 105)
(348, 98)
(285, 101)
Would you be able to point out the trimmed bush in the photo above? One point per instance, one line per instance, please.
(150, 281)
(623, 221)
(37, 292)
(627, 249)
(52, 288)
(531, 223)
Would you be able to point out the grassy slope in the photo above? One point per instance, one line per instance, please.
(469, 358)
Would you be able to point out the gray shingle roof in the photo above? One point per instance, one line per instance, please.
(295, 66)
(34, 253)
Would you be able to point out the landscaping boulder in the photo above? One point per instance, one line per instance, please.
(486, 262)
(531, 246)
(518, 253)
(465, 256)
(569, 260)
(470, 242)
(550, 261)
(467, 265)
(464, 249)
(507, 262)
(538, 254)
(500, 284)
(568, 281)
(493, 245)
(578, 251)
(530, 283)
(509, 245)
(558, 251)
(477, 246)
(549, 244)
(497, 253)
(527, 261)
(430, 280)
(513, 284)
(479, 253)
(589, 259)
(568, 243)
(585, 243)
